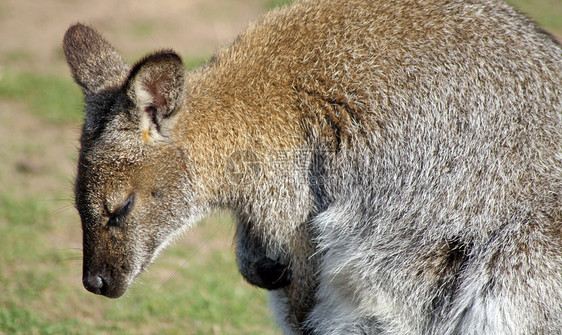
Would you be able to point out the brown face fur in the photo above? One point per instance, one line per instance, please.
(125, 214)
(129, 193)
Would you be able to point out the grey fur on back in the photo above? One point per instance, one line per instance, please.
(409, 164)
(445, 172)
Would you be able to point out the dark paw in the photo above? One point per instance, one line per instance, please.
(273, 274)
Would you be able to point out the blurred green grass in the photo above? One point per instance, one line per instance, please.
(40, 288)
(546, 12)
(277, 3)
(204, 296)
(53, 98)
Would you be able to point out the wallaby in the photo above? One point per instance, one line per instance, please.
(395, 167)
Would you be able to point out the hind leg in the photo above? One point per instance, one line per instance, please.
(336, 313)
(513, 285)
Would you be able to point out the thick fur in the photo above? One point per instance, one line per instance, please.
(395, 166)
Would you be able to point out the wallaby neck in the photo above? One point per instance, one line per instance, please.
(238, 147)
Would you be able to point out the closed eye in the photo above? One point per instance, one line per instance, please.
(118, 218)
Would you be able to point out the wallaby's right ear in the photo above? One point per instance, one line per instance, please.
(156, 85)
(94, 63)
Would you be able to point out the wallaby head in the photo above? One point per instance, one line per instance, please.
(124, 166)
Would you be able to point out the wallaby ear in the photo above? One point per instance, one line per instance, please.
(156, 85)
(94, 63)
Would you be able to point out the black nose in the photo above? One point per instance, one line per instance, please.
(94, 283)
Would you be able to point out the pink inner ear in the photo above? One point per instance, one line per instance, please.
(156, 88)
(157, 81)
(152, 112)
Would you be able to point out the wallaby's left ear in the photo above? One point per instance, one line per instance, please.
(95, 64)
(156, 85)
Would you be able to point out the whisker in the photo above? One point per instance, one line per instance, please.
(62, 209)
(155, 42)
(74, 258)
(55, 200)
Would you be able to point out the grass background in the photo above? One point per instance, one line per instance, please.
(193, 288)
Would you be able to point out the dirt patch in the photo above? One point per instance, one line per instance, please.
(31, 31)
(36, 157)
